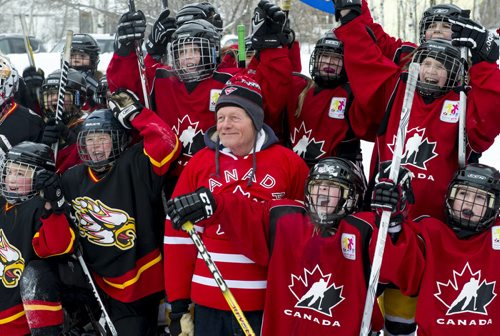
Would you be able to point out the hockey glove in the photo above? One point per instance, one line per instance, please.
(54, 131)
(4, 146)
(192, 207)
(181, 320)
(131, 28)
(270, 27)
(48, 184)
(33, 77)
(125, 106)
(390, 196)
(353, 5)
(469, 34)
(161, 34)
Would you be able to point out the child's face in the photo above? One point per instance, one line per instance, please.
(18, 178)
(189, 57)
(433, 72)
(79, 58)
(438, 30)
(99, 146)
(325, 196)
(470, 203)
(330, 64)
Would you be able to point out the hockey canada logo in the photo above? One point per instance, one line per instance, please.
(305, 146)
(104, 226)
(316, 291)
(190, 136)
(11, 263)
(467, 292)
(418, 150)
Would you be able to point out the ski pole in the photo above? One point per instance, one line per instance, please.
(231, 301)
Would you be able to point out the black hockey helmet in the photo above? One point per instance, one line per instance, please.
(9, 80)
(22, 162)
(449, 57)
(204, 10)
(476, 187)
(76, 87)
(101, 94)
(437, 13)
(330, 50)
(199, 35)
(86, 44)
(333, 172)
(92, 144)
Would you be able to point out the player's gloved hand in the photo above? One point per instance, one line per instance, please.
(131, 28)
(48, 184)
(33, 77)
(353, 5)
(4, 146)
(181, 320)
(392, 196)
(161, 34)
(54, 131)
(469, 34)
(125, 106)
(192, 207)
(270, 27)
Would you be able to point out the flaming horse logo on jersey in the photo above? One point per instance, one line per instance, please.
(104, 226)
(11, 263)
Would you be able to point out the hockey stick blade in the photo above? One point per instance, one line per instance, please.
(411, 84)
(226, 292)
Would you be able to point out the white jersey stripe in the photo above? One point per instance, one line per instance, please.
(230, 258)
(169, 240)
(246, 284)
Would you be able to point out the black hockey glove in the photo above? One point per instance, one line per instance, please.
(33, 77)
(469, 34)
(270, 27)
(394, 197)
(192, 207)
(353, 5)
(54, 131)
(48, 184)
(131, 28)
(181, 321)
(4, 146)
(161, 34)
(125, 106)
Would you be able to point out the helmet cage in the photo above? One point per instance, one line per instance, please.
(119, 141)
(16, 182)
(86, 44)
(449, 57)
(437, 14)
(208, 59)
(9, 80)
(331, 49)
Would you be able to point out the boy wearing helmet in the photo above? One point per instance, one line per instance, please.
(33, 226)
(318, 254)
(122, 248)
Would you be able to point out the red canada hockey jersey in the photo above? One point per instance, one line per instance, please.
(430, 151)
(316, 285)
(24, 236)
(279, 173)
(190, 109)
(459, 291)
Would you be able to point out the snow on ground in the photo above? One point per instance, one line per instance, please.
(51, 61)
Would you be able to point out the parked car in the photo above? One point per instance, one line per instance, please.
(105, 42)
(14, 44)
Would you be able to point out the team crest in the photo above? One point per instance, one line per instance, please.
(214, 96)
(348, 242)
(305, 146)
(418, 150)
(104, 226)
(11, 263)
(337, 107)
(450, 111)
(467, 292)
(316, 291)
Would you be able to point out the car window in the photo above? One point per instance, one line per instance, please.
(4, 46)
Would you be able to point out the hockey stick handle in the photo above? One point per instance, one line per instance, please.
(462, 103)
(241, 46)
(226, 292)
(63, 81)
(27, 43)
(287, 4)
(86, 271)
(386, 215)
(140, 63)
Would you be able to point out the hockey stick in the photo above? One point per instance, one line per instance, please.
(242, 56)
(462, 132)
(63, 81)
(86, 271)
(140, 62)
(231, 301)
(27, 44)
(411, 83)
